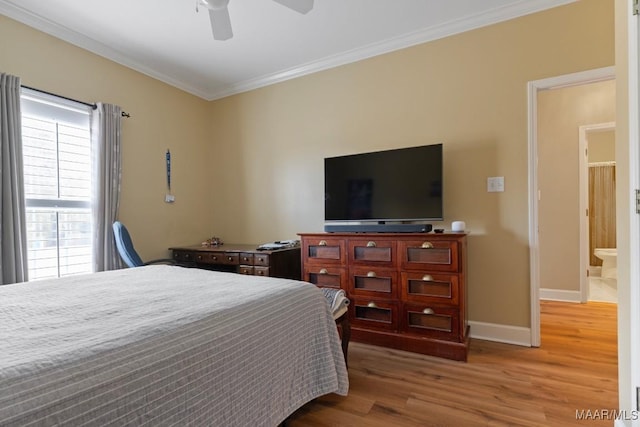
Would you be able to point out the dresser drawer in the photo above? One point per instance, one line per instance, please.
(261, 271)
(372, 251)
(430, 288)
(184, 256)
(326, 277)
(246, 258)
(209, 257)
(373, 282)
(432, 321)
(224, 258)
(324, 251)
(250, 270)
(261, 260)
(433, 255)
(374, 314)
(246, 269)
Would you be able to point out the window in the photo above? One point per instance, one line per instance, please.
(57, 174)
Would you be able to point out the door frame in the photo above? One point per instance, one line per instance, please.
(585, 256)
(533, 87)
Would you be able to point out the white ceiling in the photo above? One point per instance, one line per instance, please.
(169, 40)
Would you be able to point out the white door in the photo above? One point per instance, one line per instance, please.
(630, 386)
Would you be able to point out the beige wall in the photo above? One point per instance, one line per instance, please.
(248, 168)
(162, 118)
(467, 91)
(602, 146)
(560, 113)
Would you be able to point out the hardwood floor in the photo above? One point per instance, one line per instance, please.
(574, 371)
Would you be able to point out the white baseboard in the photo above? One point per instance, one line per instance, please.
(560, 295)
(518, 335)
(500, 333)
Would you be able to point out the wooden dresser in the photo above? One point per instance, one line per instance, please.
(242, 259)
(407, 290)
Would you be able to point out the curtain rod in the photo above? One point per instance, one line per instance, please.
(93, 106)
(609, 163)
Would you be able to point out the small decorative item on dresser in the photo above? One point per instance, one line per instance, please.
(458, 226)
(214, 241)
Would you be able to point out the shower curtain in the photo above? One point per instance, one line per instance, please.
(602, 208)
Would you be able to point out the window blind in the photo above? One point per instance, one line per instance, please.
(57, 173)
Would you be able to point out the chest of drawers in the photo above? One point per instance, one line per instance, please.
(243, 259)
(407, 290)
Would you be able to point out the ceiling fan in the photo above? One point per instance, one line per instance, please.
(219, 14)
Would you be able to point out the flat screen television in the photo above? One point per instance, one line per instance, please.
(385, 186)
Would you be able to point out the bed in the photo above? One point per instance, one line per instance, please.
(164, 345)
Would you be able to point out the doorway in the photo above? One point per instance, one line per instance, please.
(598, 259)
(554, 187)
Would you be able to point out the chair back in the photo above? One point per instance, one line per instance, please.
(125, 246)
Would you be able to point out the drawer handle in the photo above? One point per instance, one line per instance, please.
(230, 259)
(372, 274)
(322, 243)
(199, 257)
(371, 244)
(323, 271)
(215, 258)
(427, 245)
(372, 305)
(245, 259)
(427, 278)
(427, 311)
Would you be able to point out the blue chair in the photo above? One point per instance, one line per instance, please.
(127, 251)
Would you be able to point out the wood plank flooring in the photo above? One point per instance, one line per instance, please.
(575, 369)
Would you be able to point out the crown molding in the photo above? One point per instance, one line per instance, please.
(523, 7)
(81, 40)
(418, 37)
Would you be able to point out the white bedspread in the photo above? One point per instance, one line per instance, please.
(164, 345)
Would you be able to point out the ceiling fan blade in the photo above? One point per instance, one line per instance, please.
(301, 6)
(220, 23)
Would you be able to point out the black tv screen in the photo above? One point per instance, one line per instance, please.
(394, 185)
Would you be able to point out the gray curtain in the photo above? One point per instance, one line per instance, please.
(105, 142)
(13, 229)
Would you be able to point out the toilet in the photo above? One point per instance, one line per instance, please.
(609, 257)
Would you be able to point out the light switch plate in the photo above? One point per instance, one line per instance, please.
(495, 184)
(169, 198)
